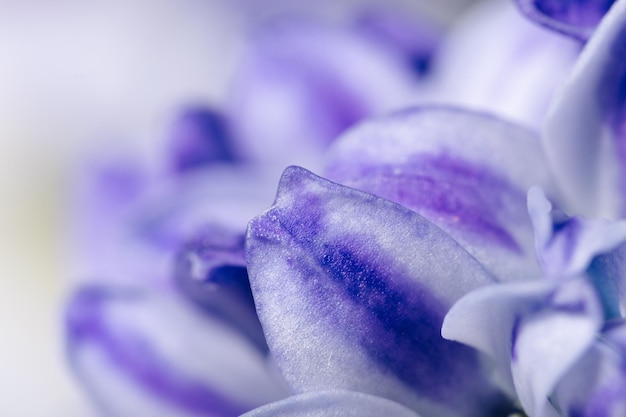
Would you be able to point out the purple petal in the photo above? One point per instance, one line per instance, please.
(584, 135)
(577, 18)
(302, 83)
(549, 342)
(496, 60)
(199, 138)
(211, 272)
(414, 39)
(142, 354)
(595, 386)
(571, 246)
(352, 289)
(468, 173)
(535, 331)
(333, 403)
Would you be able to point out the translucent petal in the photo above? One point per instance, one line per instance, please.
(585, 134)
(466, 172)
(352, 289)
(337, 403)
(139, 353)
(301, 83)
(573, 18)
(595, 386)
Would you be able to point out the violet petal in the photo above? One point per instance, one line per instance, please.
(352, 289)
(139, 353)
(466, 172)
(211, 272)
(302, 83)
(595, 386)
(577, 19)
(585, 137)
(337, 403)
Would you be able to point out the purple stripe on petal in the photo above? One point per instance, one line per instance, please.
(360, 275)
(211, 272)
(133, 355)
(453, 191)
(576, 18)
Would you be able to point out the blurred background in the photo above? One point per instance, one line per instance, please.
(75, 76)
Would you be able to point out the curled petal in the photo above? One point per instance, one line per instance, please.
(337, 403)
(142, 354)
(535, 331)
(570, 246)
(200, 137)
(573, 18)
(466, 172)
(496, 60)
(546, 344)
(211, 272)
(302, 83)
(585, 134)
(595, 386)
(416, 40)
(352, 289)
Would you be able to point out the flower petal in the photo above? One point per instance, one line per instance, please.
(466, 172)
(535, 331)
(571, 246)
(211, 272)
(546, 344)
(142, 354)
(352, 289)
(584, 135)
(302, 83)
(337, 403)
(200, 137)
(496, 60)
(595, 386)
(573, 18)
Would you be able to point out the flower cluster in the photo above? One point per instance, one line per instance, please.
(445, 263)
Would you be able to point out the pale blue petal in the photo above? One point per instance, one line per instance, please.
(337, 403)
(585, 134)
(143, 354)
(352, 289)
(596, 385)
(466, 172)
(535, 331)
(548, 342)
(573, 18)
(496, 60)
(571, 246)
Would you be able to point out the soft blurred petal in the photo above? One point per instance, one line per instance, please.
(585, 131)
(302, 83)
(140, 353)
(595, 386)
(495, 60)
(211, 272)
(573, 18)
(337, 403)
(352, 290)
(466, 172)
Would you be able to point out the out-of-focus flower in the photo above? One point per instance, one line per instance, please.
(574, 18)
(497, 61)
